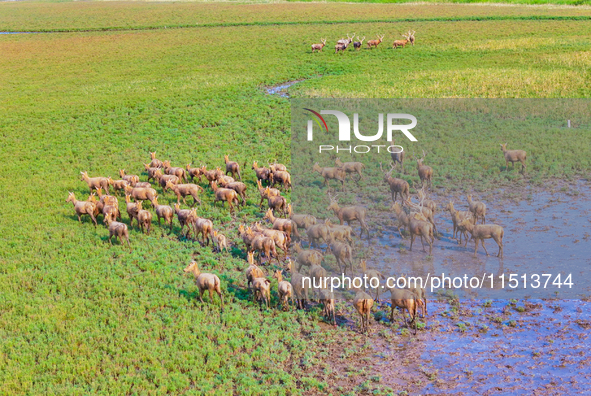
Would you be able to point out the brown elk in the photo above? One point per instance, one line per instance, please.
(342, 233)
(329, 304)
(265, 194)
(263, 244)
(514, 156)
(203, 227)
(397, 156)
(282, 177)
(363, 303)
(155, 163)
(300, 289)
(372, 274)
(131, 179)
(118, 230)
(346, 41)
(232, 167)
(105, 200)
(343, 254)
(397, 186)
(144, 218)
(456, 218)
(239, 187)
(421, 228)
(350, 167)
(331, 174)
(425, 172)
(211, 175)
(307, 257)
(421, 301)
(340, 47)
(225, 195)
(425, 211)
(95, 182)
(357, 44)
(82, 207)
(277, 202)
(118, 185)
(141, 193)
(276, 166)
(408, 38)
(428, 203)
(318, 47)
(375, 43)
(184, 190)
(402, 218)
(246, 237)
(171, 170)
(349, 214)
(253, 271)
(164, 212)
(406, 300)
(284, 290)
(194, 173)
(279, 237)
(164, 179)
(285, 225)
(477, 208)
(206, 281)
(143, 185)
(132, 209)
(186, 218)
(481, 232)
(261, 172)
(316, 232)
(221, 241)
(303, 221)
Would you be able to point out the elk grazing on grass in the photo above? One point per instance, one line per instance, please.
(277, 202)
(457, 217)
(117, 230)
(171, 170)
(402, 218)
(363, 303)
(194, 173)
(425, 172)
(203, 227)
(300, 290)
(350, 167)
(131, 179)
(349, 214)
(343, 254)
(82, 207)
(481, 232)
(331, 174)
(225, 195)
(262, 291)
(144, 218)
(279, 237)
(132, 209)
(164, 179)
(239, 187)
(372, 273)
(118, 185)
(282, 177)
(329, 306)
(514, 156)
(265, 194)
(303, 221)
(307, 257)
(357, 44)
(477, 208)
(284, 291)
(408, 38)
(96, 182)
(375, 43)
(155, 163)
(253, 271)
(285, 225)
(232, 167)
(186, 218)
(261, 172)
(151, 171)
(406, 300)
(318, 47)
(141, 193)
(221, 241)
(184, 190)
(105, 200)
(164, 212)
(206, 281)
(397, 186)
(397, 156)
(263, 244)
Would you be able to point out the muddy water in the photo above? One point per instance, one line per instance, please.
(281, 89)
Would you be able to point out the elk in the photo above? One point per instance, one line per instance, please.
(300, 290)
(302, 220)
(481, 232)
(513, 156)
(284, 290)
(246, 237)
(349, 214)
(276, 167)
(263, 244)
(397, 156)
(265, 194)
(350, 167)
(282, 177)
(408, 38)
(203, 227)
(331, 173)
(155, 163)
(183, 190)
(206, 281)
(141, 193)
(105, 200)
(421, 294)
(253, 271)
(318, 47)
(456, 218)
(82, 207)
(371, 274)
(397, 186)
(221, 241)
(261, 172)
(357, 44)
(307, 257)
(343, 253)
(132, 209)
(164, 179)
(143, 185)
(425, 172)
(405, 299)
(346, 41)
(178, 172)
(131, 179)
(239, 187)
(279, 237)
(427, 203)
(186, 218)
(421, 228)
(282, 224)
(95, 182)
(225, 195)
(164, 212)
(144, 218)
(363, 303)
(119, 185)
(402, 218)
(318, 275)
(277, 202)
(341, 232)
(375, 43)
(232, 167)
(118, 230)
(328, 303)
(194, 173)
(211, 175)
(316, 232)
(477, 208)
(425, 211)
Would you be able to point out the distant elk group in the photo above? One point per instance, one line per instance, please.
(344, 43)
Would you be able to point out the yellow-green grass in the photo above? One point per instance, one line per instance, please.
(80, 317)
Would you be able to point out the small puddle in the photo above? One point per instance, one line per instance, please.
(281, 89)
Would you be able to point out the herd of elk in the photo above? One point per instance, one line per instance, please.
(342, 44)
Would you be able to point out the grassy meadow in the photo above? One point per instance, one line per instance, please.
(80, 317)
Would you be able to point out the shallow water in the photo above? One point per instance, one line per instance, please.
(281, 89)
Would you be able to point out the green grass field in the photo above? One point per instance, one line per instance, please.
(80, 317)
